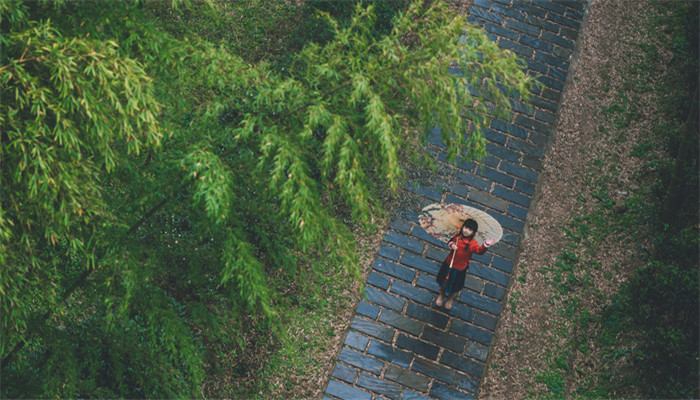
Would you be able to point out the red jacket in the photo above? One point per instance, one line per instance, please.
(465, 249)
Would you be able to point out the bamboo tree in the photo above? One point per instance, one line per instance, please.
(148, 177)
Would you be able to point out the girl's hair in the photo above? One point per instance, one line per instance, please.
(471, 224)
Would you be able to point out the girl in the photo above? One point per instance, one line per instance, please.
(451, 279)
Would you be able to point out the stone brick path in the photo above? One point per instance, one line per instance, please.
(400, 346)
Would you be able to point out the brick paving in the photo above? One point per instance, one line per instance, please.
(399, 345)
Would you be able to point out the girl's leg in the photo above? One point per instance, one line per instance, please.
(448, 304)
(440, 299)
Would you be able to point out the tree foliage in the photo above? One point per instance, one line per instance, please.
(153, 181)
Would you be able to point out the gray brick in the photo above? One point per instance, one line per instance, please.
(550, 5)
(537, 67)
(379, 280)
(406, 378)
(400, 322)
(427, 315)
(458, 189)
(542, 103)
(512, 196)
(508, 12)
(553, 95)
(568, 22)
(483, 3)
(435, 137)
(551, 60)
(513, 130)
(496, 176)
(536, 43)
(526, 148)
(455, 199)
(477, 351)
(419, 347)
(484, 258)
(502, 264)
(494, 137)
(524, 28)
(517, 211)
(473, 283)
(514, 225)
(562, 53)
(420, 233)
(443, 392)
(473, 181)
(437, 254)
(345, 373)
(472, 332)
(579, 6)
(443, 339)
(425, 191)
(516, 47)
(405, 242)
(551, 83)
(390, 353)
(529, 9)
(485, 15)
(541, 23)
(480, 302)
(419, 263)
(557, 73)
(361, 361)
(525, 187)
(532, 162)
(462, 364)
(380, 386)
(373, 329)
(532, 124)
(400, 225)
(345, 392)
(485, 321)
(558, 40)
(462, 311)
(356, 341)
(520, 107)
(494, 291)
(383, 299)
(511, 238)
(427, 281)
(520, 172)
(488, 200)
(576, 15)
(501, 31)
(410, 395)
(433, 370)
(504, 250)
(489, 274)
(368, 310)
(394, 270)
(467, 383)
(390, 252)
(412, 293)
(502, 153)
(568, 33)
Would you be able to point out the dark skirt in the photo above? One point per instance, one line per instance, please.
(458, 276)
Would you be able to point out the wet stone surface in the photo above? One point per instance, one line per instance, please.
(400, 345)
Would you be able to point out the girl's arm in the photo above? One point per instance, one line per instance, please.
(481, 249)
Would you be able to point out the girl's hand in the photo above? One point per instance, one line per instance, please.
(489, 242)
(453, 246)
